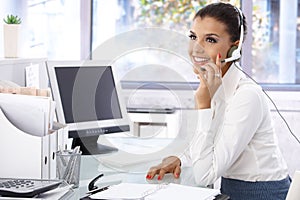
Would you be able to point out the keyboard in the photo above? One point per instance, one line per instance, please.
(10, 187)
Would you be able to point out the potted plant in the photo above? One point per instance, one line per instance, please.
(11, 30)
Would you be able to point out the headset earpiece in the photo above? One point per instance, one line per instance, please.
(231, 50)
(233, 54)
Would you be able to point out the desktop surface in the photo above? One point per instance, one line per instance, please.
(93, 165)
(91, 168)
(142, 153)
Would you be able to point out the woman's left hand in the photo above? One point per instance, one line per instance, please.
(171, 164)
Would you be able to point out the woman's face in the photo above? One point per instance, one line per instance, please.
(208, 38)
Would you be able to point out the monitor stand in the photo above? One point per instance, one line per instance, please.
(89, 146)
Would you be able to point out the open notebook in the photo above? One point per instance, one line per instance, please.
(133, 191)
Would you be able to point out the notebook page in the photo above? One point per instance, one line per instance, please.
(179, 192)
(125, 191)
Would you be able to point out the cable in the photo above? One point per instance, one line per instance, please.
(277, 110)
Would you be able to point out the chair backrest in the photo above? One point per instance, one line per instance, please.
(294, 191)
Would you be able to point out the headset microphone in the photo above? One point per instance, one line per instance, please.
(235, 52)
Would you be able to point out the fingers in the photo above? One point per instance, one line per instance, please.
(219, 63)
(156, 170)
(202, 76)
(170, 164)
(209, 68)
(213, 69)
(177, 172)
(210, 80)
(201, 73)
(210, 72)
(161, 175)
(152, 172)
(218, 60)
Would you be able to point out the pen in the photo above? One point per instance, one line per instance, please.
(97, 190)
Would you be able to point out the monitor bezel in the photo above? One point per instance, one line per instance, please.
(51, 65)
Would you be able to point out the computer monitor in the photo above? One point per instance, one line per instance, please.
(89, 101)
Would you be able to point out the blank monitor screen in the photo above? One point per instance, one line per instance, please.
(88, 101)
(88, 96)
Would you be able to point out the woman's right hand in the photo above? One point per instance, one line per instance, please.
(171, 164)
(202, 94)
(210, 80)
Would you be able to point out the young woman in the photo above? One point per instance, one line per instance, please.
(235, 139)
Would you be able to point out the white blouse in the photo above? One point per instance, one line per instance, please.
(235, 137)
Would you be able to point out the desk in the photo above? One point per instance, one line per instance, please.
(153, 149)
(115, 177)
(91, 166)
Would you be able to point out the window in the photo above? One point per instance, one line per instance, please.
(55, 29)
(141, 53)
(275, 46)
(273, 56)
(50, 28)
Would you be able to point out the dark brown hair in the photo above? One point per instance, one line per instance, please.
(227, 14)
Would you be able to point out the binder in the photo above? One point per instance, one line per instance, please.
(53, 148)
(62, 135)
(58, 138)
(24, 155)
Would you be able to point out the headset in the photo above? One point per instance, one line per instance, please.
(234, 52)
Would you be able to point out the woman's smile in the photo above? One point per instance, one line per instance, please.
(200, 60)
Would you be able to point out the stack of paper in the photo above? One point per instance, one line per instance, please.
(156, 192)
(31, 114)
